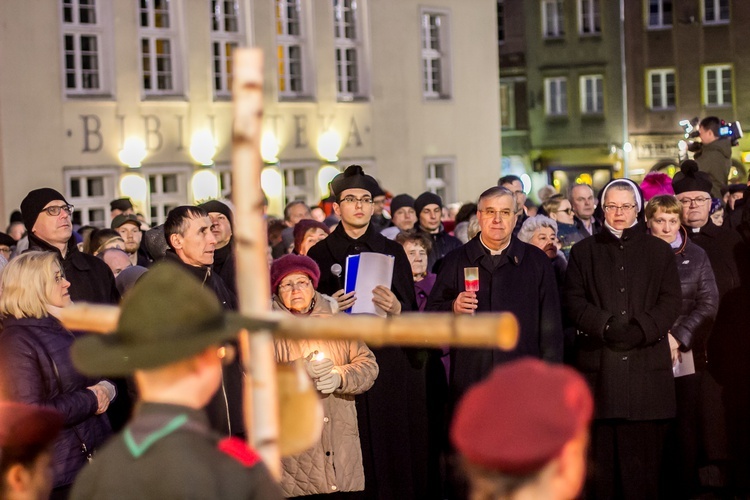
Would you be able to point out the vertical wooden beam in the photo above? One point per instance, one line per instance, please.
(253, 282)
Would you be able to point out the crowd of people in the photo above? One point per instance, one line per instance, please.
(636, 288)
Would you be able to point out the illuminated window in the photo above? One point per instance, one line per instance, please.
(160, 49)
(589, 19)
(291, 48)
(592, 94)
(717, 85)
(227, 34)
(349, 52)
(661, 86)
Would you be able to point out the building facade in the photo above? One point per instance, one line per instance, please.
(109, 98)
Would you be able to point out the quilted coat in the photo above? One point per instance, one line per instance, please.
(26, 346)
(334, 464)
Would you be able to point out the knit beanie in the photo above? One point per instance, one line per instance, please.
(291, 263)
(689, 178)
(655, 184)
(425, 199)
(217, 206)
(401, 201)
(34, 203)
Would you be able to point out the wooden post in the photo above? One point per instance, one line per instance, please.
(251, 244)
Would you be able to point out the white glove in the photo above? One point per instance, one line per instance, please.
(317, 368)
(329, 383)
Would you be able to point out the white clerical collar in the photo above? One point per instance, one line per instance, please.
(494, 252)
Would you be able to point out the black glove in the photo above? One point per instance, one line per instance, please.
(622, 336)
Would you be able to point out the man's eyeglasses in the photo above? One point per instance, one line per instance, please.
(568, 211)
(700, 201)
(492, 213)
(55, 210)
(614, 208)
(365, 200)
(297, 285)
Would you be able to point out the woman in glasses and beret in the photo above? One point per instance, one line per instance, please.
(622, 294)
(339, 369)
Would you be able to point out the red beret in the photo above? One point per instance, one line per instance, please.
(25, 425)
(520, 417)
(292, 263)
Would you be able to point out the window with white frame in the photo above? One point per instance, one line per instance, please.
(715, 11)
(90, 191)
(507, 105)
(592, 94)
(556, 96)
(227, 34)
(500, 21)
(589, 18)
(299, 183)
(349, 51)
(717, 85)
(85, 42)
(167, 190)
(435, 55)
(659, 13)
(291, 48)
(553, 20)
(661, 87)
(439, 178)
(160, 54)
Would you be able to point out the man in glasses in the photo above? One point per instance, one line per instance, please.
(393, 421)
(727, 345)
(47, 217)
(622, 295)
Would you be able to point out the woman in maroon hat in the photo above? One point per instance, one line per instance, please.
(307, 233)
(339, 369)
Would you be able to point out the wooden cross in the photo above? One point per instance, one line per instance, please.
(261, 408)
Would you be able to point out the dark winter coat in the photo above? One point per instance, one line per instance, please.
(442, 244)
(633, 278)
(225, 408)
(224, 266)
(91, 280)
(392, 415)
(700, 300)
(726, 252)
(523, 282)
(716, 159)
(28, 376)
(171, 453)
(596, 226)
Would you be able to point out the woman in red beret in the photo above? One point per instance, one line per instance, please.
(339, 369)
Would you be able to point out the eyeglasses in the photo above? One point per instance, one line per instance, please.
(5, 250)
(492, 213)
(55, 211)
(297, 285)
(568, 211)
(622, 208)
(365, 200)
(695, 201)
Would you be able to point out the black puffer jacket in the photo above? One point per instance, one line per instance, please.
(27, 375)
(700, 300)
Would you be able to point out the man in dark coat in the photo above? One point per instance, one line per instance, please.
(192, 244)
(514, 184)
(221, 225)
(514, 277)
(46, 216)
(729, 400)
(429, 209)
(392, 415)
(622, 293)
(583, 203)
(169, 337)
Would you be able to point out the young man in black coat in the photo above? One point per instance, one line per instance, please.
(622, 293)
(392, 415)
(429, 209)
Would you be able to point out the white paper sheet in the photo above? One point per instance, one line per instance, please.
(366, 271)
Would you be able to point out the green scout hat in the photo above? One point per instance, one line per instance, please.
(167, 316)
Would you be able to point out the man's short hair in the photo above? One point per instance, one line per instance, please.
(289, 206)
(573, 187)
(508, 179)
(712, 123)
(496, 191)
(178, 220)
(666, 202)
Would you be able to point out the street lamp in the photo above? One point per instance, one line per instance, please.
(205, 182)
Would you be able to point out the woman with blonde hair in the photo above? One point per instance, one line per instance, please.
(36, 365)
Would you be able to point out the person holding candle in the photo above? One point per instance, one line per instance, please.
(339, 369)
